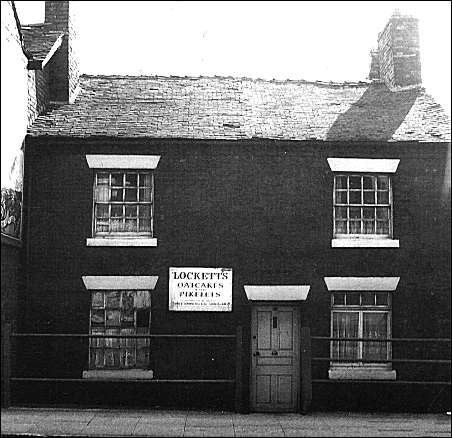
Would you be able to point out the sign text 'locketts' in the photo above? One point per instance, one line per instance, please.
(200, 289)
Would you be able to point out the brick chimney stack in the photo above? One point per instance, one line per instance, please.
(397, 61)
(64, 69)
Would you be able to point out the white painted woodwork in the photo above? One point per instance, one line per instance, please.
(363, 165)
(362, 283)
(365, 243)
(277, 293)
(111, 282)
(275, 358)
(123, 161)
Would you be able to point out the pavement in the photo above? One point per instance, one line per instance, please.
(115, 422)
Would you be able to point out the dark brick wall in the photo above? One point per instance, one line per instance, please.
(260, 208)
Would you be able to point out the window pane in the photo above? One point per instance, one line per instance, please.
(369, 182)
(341, 197)
(355, 182)
(127, 342)
(369, 227)
(98, 299)
(102, 211)
(341, 182)
(145, 195)
(382, 299)
(103, 179)
(131, 225)
(143, 317)
(116, 211)
(131, 179)
(142, 357)
(102, 194)
(368, 213)
(112, 318)
(341, 212)
(97, 342)
(355, 212)
(131, 210)
(383, 197)
(142, 299)
(117, 179)
(98, 317)
(382, 213)
(127, 358)
(383, 182)
(341, 227)
(116, 225)
(113, 299)
(382, 227)
(352, 298)
(112, 342)
(97, 358)
(355, 197)
(116, 195)
(131, 195)
(368, 298)
(339, 298)
(145, 180)
(345, 325)
(375, 327)
(145, 211)
(369, 197)
(112, 358)
(355, 227)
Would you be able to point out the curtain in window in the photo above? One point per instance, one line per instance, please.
(375, 326)
(345, 325)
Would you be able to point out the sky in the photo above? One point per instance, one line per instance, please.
(327, 41)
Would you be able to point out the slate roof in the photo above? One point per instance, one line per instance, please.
(241, 108)
(39, 39)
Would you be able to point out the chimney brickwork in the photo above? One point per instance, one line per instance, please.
(64, 68)
(397, 61)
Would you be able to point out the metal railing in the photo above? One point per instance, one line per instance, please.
(7, 352)
(306, 350)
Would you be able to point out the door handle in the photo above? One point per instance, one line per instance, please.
(274, 353)
(256, 354)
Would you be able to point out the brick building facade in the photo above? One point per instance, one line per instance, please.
(269, 205)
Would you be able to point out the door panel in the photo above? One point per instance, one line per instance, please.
(275, 358)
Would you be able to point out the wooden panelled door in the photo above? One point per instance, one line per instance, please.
(275, 358)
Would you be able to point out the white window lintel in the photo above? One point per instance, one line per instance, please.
(363, 165)
(111, 282)
(122, 161)
(362, 283)
(277, 293)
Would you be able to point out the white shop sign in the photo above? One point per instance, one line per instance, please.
(200, 289)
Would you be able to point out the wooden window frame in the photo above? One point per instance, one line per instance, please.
(361, 310)
(124, 234)
(362, 205)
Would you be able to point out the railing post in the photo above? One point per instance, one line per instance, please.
(6, 365)
(306, 372)
(238, 399)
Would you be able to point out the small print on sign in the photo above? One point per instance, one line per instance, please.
(200, 289)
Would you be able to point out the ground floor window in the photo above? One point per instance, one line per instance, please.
(119, 312)
(360, 315)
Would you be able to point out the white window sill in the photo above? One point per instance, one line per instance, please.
(351, 373)
(110, 241)
(118, 374)
(365, 243)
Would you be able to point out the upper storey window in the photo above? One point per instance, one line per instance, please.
(123, 200)
(362, 206)
(363, 202)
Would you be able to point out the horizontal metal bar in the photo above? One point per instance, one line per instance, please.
(329, 359)
(393, 382)
(329, 338)
(84, 335)
(62, 380)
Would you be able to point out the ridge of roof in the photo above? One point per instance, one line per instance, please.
(236, 78)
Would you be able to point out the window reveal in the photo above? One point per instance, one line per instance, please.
(119, 313)
(123, 203)
(362, 205)
(360, 315)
